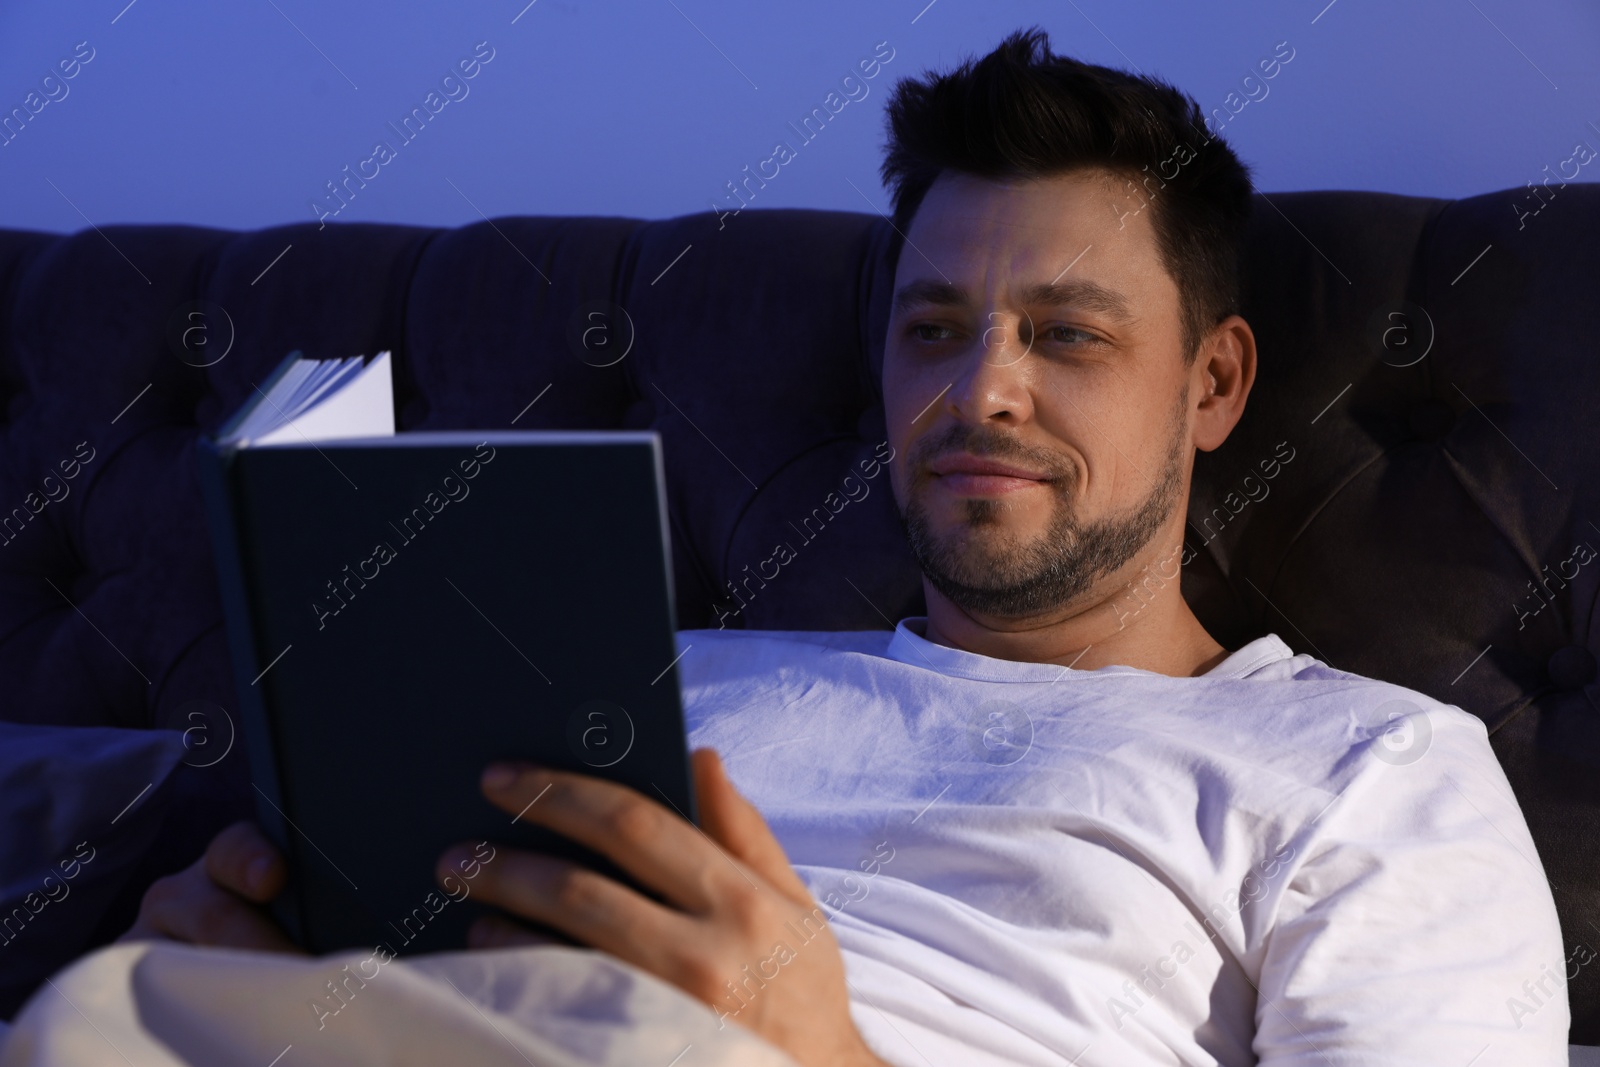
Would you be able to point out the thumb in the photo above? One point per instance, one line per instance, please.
(733, 822)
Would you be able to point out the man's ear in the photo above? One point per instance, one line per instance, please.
(1222, 375)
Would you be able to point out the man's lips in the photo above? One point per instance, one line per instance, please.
(969, 475)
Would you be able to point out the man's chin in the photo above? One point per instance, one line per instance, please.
(983, 569)
(989, 581)
(989, 534)
(996, 545)
(1000, 563)
(1023, 513)
(1014, 603)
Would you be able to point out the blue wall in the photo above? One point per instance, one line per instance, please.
(238, 114)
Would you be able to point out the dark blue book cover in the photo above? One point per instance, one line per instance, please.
(404, 610)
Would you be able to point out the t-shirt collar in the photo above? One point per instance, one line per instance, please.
(909, 646)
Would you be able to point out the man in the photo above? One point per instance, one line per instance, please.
(1054, 821)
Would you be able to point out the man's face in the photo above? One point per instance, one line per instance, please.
(1035, 389)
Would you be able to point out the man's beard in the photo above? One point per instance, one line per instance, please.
(1009, 578)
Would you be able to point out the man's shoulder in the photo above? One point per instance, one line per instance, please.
(1392, 698)
(1296, 716)
(1269, 659)
(1398, 739)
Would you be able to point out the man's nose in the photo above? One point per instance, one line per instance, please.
(992, 384)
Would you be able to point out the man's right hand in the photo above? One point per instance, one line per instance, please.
(217, 899)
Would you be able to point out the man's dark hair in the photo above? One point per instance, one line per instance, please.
(1023, 112)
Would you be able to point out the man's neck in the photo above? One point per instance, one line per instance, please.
(1156, 632)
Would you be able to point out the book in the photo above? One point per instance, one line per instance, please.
(403, 609)
(317, 400)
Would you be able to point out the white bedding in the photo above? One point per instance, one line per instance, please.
(161, 1005)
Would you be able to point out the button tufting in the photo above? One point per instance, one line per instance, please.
(1431, 420)
(1571, 668)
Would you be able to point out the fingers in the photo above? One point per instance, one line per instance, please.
(242, 860)
(190, 907)
(583, 904)
(213, 900)
(652, 843)
(734, 823)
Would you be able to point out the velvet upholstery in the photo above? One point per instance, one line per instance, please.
(1433, 476)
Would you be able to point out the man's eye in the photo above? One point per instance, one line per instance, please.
(930, 332)
(940, 333)
(1069, 335)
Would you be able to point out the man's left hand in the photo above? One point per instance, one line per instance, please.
(738, 929)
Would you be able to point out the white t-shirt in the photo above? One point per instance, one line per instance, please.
(1276, 862)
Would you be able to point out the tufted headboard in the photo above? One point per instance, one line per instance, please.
(1411, 493)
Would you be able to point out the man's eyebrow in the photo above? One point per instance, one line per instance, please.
(927, 291)
(1087, 295)
(1081, 294)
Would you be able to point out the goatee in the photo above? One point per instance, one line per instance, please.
(1006, 577)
